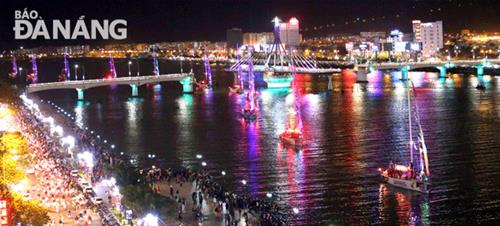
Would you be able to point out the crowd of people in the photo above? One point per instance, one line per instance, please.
(230, 207)
(52, 181)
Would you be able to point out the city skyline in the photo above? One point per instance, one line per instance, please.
(156, 21)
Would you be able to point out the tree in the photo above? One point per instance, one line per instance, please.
(28, 212)
(14, 141)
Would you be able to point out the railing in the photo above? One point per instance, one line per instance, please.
(108, 81)
(438, 62)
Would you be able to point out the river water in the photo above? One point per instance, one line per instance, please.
(349, 132)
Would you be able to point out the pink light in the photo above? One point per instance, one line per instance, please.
(293, 21)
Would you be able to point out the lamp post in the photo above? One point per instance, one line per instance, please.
(138, 67)
(20, 71)
(83, 72)
(129, 63)
(76, 71)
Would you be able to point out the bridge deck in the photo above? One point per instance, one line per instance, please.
(85, 84)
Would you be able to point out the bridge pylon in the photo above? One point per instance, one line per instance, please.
(80, 94)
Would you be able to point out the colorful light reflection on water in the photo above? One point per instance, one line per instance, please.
(350, 131)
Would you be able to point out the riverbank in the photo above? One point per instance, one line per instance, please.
(229, 208)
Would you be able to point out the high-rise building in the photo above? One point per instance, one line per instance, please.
(431, 35)
(289, 32)
(416, 30)
(234, 38)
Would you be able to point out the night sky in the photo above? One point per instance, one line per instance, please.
(180, 20)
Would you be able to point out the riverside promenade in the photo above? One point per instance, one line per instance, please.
(208, 207)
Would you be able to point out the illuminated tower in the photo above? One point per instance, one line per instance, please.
(112, 69)
(156, 68)
(34, 68)
(208, 70)
(66, 66)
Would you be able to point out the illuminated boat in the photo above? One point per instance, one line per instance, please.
(249, 112)
(14, 71)
(235, 89)
(291, 138)
(201, 86)
(415, 178)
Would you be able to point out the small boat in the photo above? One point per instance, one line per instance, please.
(250, 110)
(14, 71)
(410, 177)
(235, 89)
(404, 177)
(292, 139)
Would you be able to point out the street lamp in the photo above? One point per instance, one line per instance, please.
(76, 71)
(223, 173)
(295, 210)
(198, 156)
(20, 71)
(138, 67)
(129, 63)
(244, 182)
(203, 163)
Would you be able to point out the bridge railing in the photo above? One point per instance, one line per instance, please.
(437, 62)
(108, 80)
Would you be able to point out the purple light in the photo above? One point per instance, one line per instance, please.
(34, 68)
(208, 70)
(112, 66)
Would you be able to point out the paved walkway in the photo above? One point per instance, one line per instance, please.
(208, 207)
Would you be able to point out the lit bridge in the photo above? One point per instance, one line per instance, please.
(404, 67)
(186, 79)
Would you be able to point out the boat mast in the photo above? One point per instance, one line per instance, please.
(240, 79)
(422, 147)
(251, 85)
(409, 120)
(298, 126)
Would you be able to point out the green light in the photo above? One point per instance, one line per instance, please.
(278, 82)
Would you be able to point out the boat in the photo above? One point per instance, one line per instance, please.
(292, 139)
(237, 89)
(249, 112)
(410, 176)
(14, 71)
(292, 136)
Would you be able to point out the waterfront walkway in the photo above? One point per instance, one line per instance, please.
(186, 190)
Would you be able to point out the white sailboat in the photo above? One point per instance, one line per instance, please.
(412, 177)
